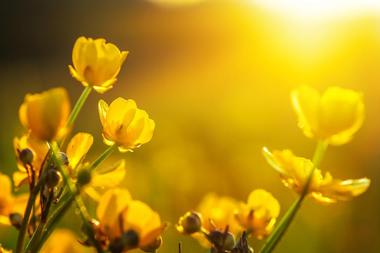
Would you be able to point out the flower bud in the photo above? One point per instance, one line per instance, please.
(26, 156)
(84, 177)
(53, 177)
(156, 244)
(116, 246)
(16, 220)
(190, 223)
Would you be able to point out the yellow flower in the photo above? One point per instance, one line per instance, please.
(29, 172)
(218, 213)
(120, 217)
(259, 214)
(101, 178)
(8, 202)
(294, 172)
(64, 241)
(45, 114)
(110, 206)
(96, 63)
(124, 124)
(142, 220)
(334, 116)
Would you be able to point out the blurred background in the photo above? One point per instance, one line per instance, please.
(216, 77)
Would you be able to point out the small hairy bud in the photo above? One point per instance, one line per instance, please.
(16, 220)
(26, 156)
(53, 177)
(84, 177)
(225, 240)
(190, 223)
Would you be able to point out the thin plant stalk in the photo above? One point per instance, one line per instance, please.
(75, 112)
(28, 209)
(289, 216)
(103, 157)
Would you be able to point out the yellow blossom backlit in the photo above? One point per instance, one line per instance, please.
(124, 124)
(111, 205)
(96, 63)
(294, 172)
(140, 218)
(334, 116)
(8, 202)
(39, 150)
(258, 216)
(102, 178)
(45, 114)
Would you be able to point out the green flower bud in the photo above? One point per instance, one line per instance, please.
(26, 156)
(16, 220)
(84, 177)
(190, 223)
(130, 239)
(53, 177)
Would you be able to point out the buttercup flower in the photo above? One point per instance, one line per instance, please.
(2, 250)
(334, 116)
(124, 124)
(259, 214)
(96, 63)
(9, 203)
(101, 178)
(294, 172)
(29, 172)
(45, 114)
(128, 223)
(64, 241)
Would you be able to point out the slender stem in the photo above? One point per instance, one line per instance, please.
(51, 223)
(77, 108)
(25, 221)
(289, 216)
(103, 157)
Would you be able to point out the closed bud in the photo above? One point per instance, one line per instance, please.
(116, 246)
(26, 156)
(224, 240)
(190, 223)
(156, 244)
(84, 177)
(53, 177)
(16, 220)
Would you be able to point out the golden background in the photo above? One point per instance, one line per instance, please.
(216, 77)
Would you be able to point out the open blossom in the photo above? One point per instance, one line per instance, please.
(9, 203)
(27, 172)
(101, 178)
(128, 223)
(124, 124)
(96, 63)
(294, 172)
(258, 216)
(334, 116)
(45, 114)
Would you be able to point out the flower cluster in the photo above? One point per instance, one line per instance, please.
(59, 175)
(218, 221)
(331, 118)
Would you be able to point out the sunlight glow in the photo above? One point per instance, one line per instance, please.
(320, 8)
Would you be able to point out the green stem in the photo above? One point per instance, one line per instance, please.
(28, 209)
(77, 108)
(103, 157)
(55, 217)
(289, 216)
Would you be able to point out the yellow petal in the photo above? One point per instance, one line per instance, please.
(78, 147)
(45, 114)
(262, 201)
(111, 204)
(20, 178)
(112, 177)
(338, 190)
